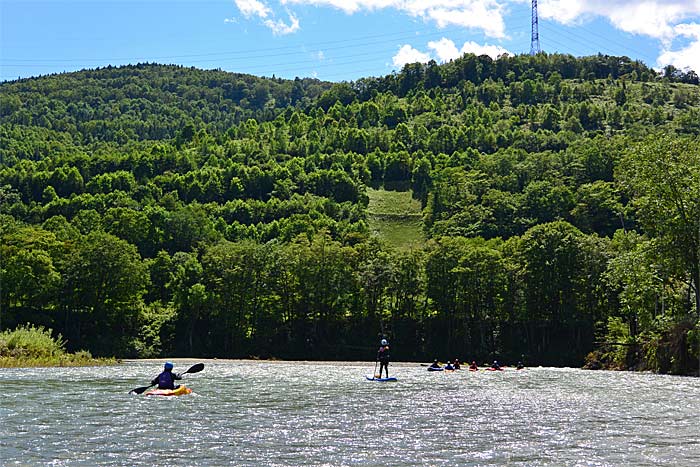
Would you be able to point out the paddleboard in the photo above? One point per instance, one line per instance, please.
(385, 380)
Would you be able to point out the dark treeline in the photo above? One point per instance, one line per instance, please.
(159, 210)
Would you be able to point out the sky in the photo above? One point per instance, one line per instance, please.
(334, 40)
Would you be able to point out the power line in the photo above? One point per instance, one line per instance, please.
(587, 43)
(235, 57)
(352, 42)
(276, 68)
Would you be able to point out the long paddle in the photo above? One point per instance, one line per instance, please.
(196, 368)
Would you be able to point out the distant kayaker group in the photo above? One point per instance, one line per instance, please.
(383, 361)
(456, 365)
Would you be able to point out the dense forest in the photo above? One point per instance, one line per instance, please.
(154, 210)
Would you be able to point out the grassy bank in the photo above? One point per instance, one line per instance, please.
(395, 217)
(31, 346)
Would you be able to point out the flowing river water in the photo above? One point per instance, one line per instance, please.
(246, 413)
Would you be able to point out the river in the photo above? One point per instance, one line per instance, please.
(246, 413)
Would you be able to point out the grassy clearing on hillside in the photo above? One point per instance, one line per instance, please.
(397, 203)
(395, 217)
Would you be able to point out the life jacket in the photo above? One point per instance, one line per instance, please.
(383, 354)
(166, 380)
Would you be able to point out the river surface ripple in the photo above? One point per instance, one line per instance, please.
(247, 413)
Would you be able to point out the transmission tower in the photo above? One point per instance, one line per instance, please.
(535, 38)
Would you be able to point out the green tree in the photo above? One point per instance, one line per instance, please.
(30, 279)
(188, 227)
(550, 258)
(105, 279)
(662, 175)
(130, 225)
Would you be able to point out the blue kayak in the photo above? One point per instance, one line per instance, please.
(432, 368)
(369, 378)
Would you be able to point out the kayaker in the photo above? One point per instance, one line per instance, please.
(456, 364)
(435, 364)
(166, 380)
(495, 365)
(449, 366)
(383, 357)
(473, 366)
(520, 366)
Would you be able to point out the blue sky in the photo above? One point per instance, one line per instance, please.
(332, 39)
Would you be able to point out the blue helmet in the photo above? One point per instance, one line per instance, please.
(168, 365)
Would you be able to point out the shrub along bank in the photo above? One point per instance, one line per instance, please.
(31, 346)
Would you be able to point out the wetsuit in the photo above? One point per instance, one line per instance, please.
(383, 359)
(166, 380)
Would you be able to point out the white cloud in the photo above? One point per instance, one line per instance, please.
(230, 20)
(408, 54)
(654, 18)
(250, 8)
(253, 8)
(280, 28)
(485, 15)
(446, 50)
(320, 55)
(348, 6)
(687, 57)
(493, 51)
(659, 19)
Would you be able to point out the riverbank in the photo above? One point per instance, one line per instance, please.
(67, 360)
(638, 358)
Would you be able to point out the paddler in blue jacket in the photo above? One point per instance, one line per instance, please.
(166, 380)
(383, 357)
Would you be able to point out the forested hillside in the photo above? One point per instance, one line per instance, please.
(158, 210)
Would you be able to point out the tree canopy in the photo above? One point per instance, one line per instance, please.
(154, 209)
